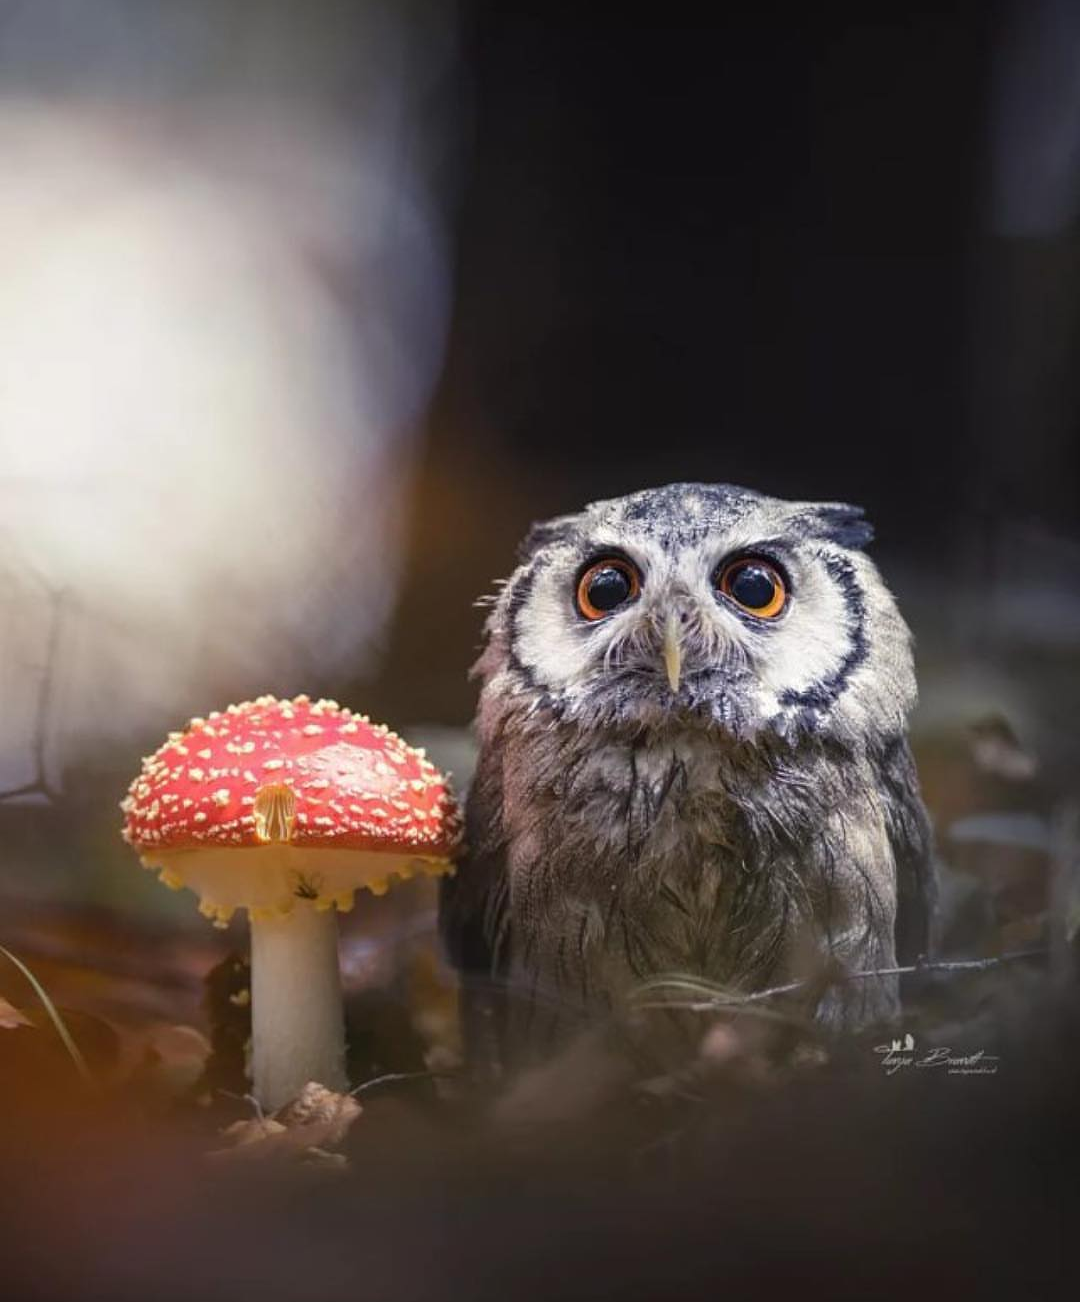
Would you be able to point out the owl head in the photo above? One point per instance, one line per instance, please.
(705, 606)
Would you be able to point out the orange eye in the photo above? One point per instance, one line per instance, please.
(605, 586)
(755, 585)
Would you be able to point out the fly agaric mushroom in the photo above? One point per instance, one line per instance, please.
(285, 808)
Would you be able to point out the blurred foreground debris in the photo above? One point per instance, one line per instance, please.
(305, 1130)
(227, 1005)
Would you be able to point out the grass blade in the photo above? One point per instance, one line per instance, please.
(57, 1021)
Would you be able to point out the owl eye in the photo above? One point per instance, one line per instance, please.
(606, 585)
(754, 584)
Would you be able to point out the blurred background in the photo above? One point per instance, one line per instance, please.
(308, 310)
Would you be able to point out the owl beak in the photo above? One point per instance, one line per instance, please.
(672, 652)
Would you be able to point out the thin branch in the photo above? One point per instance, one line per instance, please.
(396, 1076)
(34, 788)
(39, 785)
(759, 996)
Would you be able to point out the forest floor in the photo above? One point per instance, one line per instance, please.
(766, 1159)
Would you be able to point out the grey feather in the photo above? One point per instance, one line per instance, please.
(760, 819)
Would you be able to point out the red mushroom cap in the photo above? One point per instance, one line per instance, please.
(299, 775)
(354, 784)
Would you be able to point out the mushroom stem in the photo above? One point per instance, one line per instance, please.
(297, 1015)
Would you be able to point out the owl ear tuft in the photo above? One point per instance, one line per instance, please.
(842, 524)
(545, 532)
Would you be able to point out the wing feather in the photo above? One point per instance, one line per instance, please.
(910, 836)
(474, 915)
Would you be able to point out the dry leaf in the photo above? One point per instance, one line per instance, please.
(10, 1017)
(301, 1131)
(315, 1104)
(252, 1130)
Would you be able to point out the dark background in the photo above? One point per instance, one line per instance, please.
(753, 249)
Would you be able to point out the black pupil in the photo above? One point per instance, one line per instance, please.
(609, 587)
(752, 586)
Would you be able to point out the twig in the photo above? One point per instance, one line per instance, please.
(758, 996)
(395, 1076)
(39, 785)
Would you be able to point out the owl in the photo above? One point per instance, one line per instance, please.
(693, 760)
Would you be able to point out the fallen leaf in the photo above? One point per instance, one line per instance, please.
(303, 1130)
(315, 1104)
(252, 1130)
(10, 1017)
(268, 1140)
